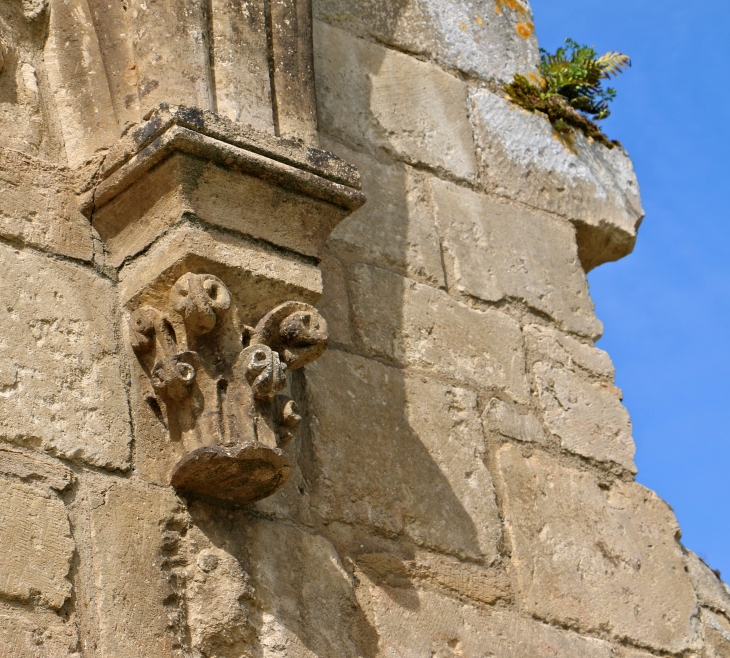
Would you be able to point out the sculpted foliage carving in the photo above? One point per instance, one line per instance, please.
(220, 385)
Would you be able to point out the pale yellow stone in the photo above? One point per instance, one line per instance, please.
(375, 96)
(587, 417)
(58, 328)
(479, 37)
(506, 421)
(717, 635)
(134, 599)
(548, 344)
(587, 183)
(711, 591)
(422, 327)
(38, 206)
(36, 546)
(36, 634)
(485, 585)
(596, 559)
(413, 623)
(395, 229)
(35, 468)
(400, 454)
(495, 251)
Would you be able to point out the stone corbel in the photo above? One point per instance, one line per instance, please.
(215, 232)
(220, 385)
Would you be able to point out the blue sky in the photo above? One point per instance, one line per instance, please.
(666, 307)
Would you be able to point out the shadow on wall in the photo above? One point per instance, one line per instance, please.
(390, 470)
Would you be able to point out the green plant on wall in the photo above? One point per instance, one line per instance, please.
(569, 89)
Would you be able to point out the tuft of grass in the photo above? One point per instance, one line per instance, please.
(569, 89)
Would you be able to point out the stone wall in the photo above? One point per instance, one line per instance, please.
(463, 481)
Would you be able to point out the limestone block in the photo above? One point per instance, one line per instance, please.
(27, 120)
(307, 599)
(485, 585)
(402, 455)
(34, 468)
(413, 623)
(496, 251)
(370, 95)
(36, 545)
(135, 602)
(39, 206)
(263, 587)
(717, 635)
(491, 39)
(78, 78)
(553, 346)
(240, 63)
(422, 327)
(505, 420)
(589, 184)
(586, 416)
(335, 303)
(219, 623)
(37, 634)
(67, 395)
(711, 591)
(395, 229)
(594, 558)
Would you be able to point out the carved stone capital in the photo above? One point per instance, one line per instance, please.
(218, 384)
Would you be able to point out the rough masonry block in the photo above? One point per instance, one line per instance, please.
(36, 546)
(587, 183)
(414, 622)
(37, 634)
(370, 95)
(395, 229)
(491, 39)
(495, 251)
(597, 559)
(400, 453)
(422, 327)
(64, 392)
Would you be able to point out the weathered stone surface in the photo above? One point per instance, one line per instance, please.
(412, 623)
(505, 420)
(133, 529)
(79, 81)
(36, 546)
(271, 588)
(400, 454)
(487, 38)
(335, 303)
(420, 326)
(27, 121)
(592, 186)
(39, 206)
(58, 328)
(37, 634)
(548, 344)
(711, 591)
(258, 276)
(219, 624)
(717, 635)
(596, 559)
(586, 416)
(34, 468)
(485, 585)
(495, 251)
(395, 229)
(370, 95)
